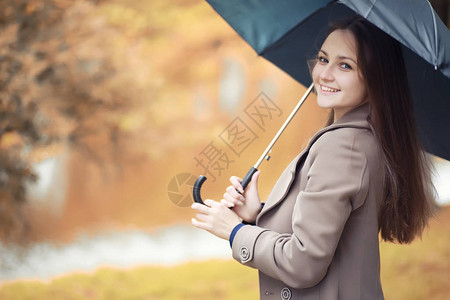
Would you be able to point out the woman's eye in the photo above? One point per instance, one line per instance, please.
(323, 59)
(345, 66)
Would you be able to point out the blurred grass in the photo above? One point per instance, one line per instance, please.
(408, 272)
(215, 279)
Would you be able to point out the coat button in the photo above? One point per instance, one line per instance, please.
(244, 253)
(286, 293)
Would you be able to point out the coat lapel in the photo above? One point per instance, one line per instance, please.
(357, 118)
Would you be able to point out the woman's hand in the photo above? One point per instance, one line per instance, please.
(246, 204)
(216, 218)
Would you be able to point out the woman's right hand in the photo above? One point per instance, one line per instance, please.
(245, 204)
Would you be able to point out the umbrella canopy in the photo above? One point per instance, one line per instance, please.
(290, 32)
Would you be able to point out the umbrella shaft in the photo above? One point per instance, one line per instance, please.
(288, 120)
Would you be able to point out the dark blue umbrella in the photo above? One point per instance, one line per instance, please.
(289, 33)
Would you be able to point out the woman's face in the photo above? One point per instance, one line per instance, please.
(336, 75)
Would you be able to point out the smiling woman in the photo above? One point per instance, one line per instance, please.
(336, 76)
(365, 173)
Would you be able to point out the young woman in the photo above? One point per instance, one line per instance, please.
(365, 173)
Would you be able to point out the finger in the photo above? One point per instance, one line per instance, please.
(211, 203)
(200, 207)
(235, 178)
(200, 225)
(232, 193)
(202, 217)
(256, 176)
(236, 182)
(231, 190)
(230, 199)
(227, 203)
(254, 182)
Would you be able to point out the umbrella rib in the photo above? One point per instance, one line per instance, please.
(370, 9)
(435, 36)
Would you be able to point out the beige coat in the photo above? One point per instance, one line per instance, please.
(317, 235)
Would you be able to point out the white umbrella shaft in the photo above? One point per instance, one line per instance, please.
(283, 127)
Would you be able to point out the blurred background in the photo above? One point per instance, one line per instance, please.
(110, 110)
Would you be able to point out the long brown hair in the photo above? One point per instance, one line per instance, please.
(408, 191)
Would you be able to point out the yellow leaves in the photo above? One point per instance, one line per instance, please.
(131, 122)
(43, 153)
(122, 16)
(33, 6)
(10, 139)
(8, 36)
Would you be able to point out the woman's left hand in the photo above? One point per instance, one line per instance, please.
(215, 218)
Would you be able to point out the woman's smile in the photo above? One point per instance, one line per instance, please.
(328, 90)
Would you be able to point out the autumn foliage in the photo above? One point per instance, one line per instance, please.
(59, 84)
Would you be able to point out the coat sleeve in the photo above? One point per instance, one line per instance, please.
(335, 180)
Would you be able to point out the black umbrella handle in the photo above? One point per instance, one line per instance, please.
(201, 179)
(197, 187)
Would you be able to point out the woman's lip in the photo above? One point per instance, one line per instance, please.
(327, 89)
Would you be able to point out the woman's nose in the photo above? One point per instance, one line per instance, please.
(327, 74)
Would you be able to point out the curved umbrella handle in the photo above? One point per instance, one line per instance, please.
(196, 190)
(201, 179)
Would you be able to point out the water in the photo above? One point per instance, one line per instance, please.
(167, 246)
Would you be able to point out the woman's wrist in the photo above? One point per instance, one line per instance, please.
(252, 219)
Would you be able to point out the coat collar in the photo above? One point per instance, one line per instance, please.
(356, 118)
(357, 115)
